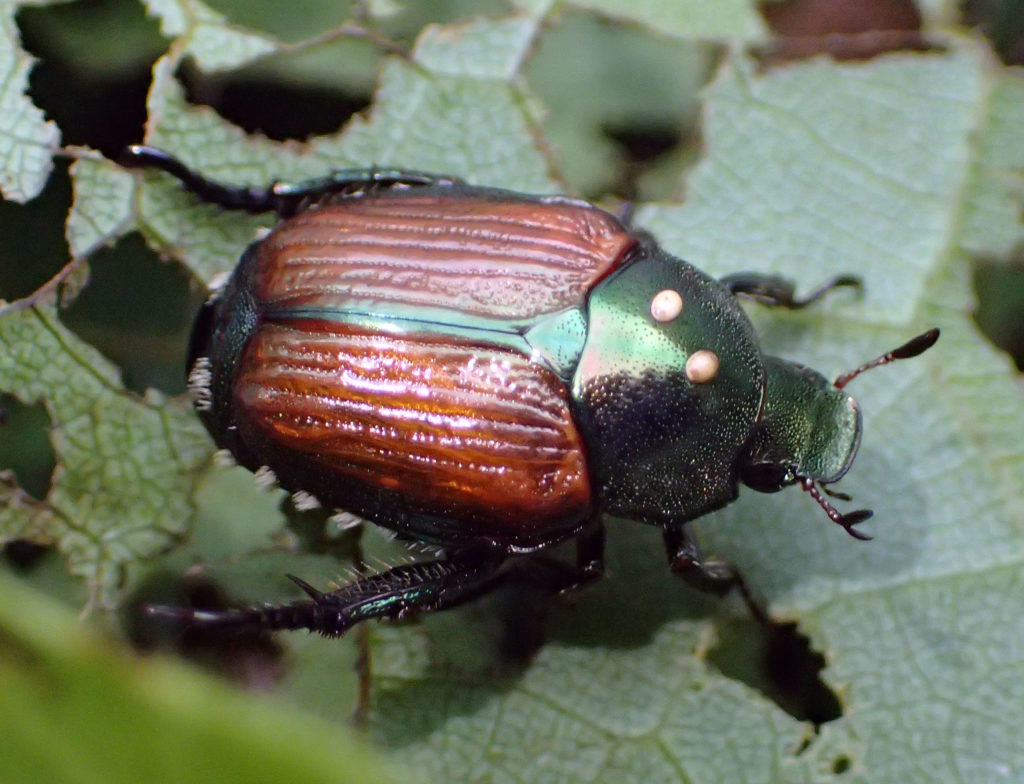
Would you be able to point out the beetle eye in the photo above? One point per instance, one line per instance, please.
(766, 477)
(666, 305)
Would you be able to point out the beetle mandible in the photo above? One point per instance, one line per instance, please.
(490, 372)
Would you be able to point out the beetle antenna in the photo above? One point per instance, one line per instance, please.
(847, 521)
(911, 348)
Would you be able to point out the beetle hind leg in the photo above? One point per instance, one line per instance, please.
(285, 199)
(779, 292)
(395, 593)
(708, 575)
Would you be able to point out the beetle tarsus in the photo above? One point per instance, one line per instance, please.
(712, 576)
(395, 593)
(252, 200)
(776, 291)
(295, 615)
(285, 199)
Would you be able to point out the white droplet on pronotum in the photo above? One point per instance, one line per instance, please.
(666, 305)
(702, 366)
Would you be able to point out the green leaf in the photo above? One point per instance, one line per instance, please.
(103, 195)
(75, 708)
(899, 169)
(650, 85)
(27, 140)
(841, 165)
(481, 130)
(734, 19)
(483, 49)
(206, 35)
(872, 168)
(992, 225)
(125, 466)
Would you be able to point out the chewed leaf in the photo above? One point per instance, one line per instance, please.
(27, 140)
(126, 466)
(116, 713)
(896, 170)
(481, 130)
(103, 205)
(733, 19)
(788, 153)
(215, 44)
(483, 49)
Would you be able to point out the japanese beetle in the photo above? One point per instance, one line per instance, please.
(489, 373)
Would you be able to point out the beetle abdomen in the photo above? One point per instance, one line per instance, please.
(425, 434)
(469, 256)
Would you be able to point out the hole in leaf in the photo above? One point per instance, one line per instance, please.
(643, 144)
(780, 663)
(25, 446)
(1000, 291)
(23, 554)
(1003, 22)
(137, 311)
(253, 659)
(841, 764)
(259, 103)
(818, 18)
(28, 265)
(26, 450)
(611, 117)
(642, 148)
(303, 19)
(95, 66)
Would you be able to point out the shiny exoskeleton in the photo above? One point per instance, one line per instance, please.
(490, 373)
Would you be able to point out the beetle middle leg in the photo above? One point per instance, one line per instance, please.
(709, 575)
(556, 576)
(779, 292)
(544, 577)
(285, 199)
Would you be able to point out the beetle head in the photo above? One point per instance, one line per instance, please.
(810, 430)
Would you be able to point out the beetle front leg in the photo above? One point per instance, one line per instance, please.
(708, 575)
(282, 198)
(779, 292)
(396, 593)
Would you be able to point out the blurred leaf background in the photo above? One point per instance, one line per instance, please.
(806, 138)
